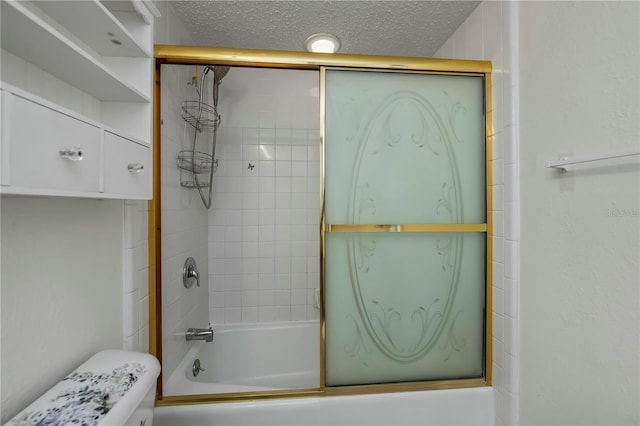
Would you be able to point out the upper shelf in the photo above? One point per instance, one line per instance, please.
(95, 25)
(27, 35)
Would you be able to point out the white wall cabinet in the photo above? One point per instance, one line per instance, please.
(50, 150)
(104, 50)
(127, 167)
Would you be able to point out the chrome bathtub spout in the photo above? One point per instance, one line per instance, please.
(205, 334)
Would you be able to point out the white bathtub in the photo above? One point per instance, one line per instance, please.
(285, 356)
(473, 406)
(251, 357)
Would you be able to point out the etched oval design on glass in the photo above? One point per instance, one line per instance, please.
(403, 148)
(405, 158)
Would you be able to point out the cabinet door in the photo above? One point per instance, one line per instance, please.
(49, 151)
(127, 167)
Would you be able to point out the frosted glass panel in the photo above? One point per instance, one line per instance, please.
(404, 148)
(404, 307)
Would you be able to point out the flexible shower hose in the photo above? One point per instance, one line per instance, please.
(205, 200)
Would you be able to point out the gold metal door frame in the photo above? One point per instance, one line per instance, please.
(196, 55)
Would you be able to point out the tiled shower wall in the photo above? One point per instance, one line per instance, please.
(184, 218)
(491, 33)
(184, 226)
(264, 222)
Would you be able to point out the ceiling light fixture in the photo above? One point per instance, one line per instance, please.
(323, 43)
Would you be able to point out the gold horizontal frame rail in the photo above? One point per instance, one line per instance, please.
(408, 71)
(433, 227)
(200, 55)
(209, 398)
(405, 387)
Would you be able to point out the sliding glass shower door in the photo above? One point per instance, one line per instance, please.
(404, 226)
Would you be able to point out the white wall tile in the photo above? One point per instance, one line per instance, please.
(498, 274)
(298, 312)
(249, 314)
(188, 228)
(129, 272)
(498, 301)
(265, 314)
(511, 340)
(490, 33)
(498, 350)
(498, 249)
(131, 343)
(233, 315)
(511, 254)
(498, 327)
(512, 223)
(143, 312)
(498, 198)
(282, 158)
(512, 298)
(498, 377)
(498, 224)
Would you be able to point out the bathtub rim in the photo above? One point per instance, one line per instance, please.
(480, 397)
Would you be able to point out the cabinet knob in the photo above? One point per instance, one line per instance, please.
(135, 168)
(72, 153)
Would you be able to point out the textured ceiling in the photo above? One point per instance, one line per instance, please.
(405, 28)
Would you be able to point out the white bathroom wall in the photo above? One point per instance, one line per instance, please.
(264, 222)
(61, 290)
(579, 93)
(490, 33)
(184, 217)
(62, 269)
(88, 289)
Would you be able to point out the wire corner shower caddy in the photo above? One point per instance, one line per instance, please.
(195, 165)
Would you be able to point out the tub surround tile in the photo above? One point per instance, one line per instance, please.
(498, 142)
(511, 338)
(250, 314)
(187, 231)
(498, 301)
(491, 33)
(512, 298)
(279, 195)
(498, 223)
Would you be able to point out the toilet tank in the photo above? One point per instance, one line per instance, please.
(111, 388)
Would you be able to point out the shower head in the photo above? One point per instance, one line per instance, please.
(219, 72)
(218, 75)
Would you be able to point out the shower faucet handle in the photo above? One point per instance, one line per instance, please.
(190, 273)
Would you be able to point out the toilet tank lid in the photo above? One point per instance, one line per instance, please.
(105, 390)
